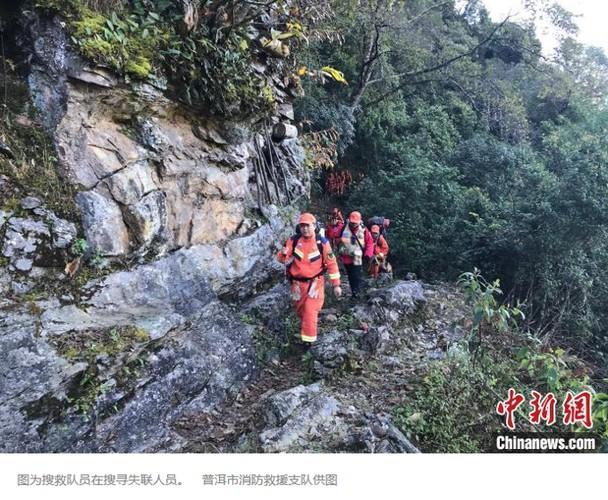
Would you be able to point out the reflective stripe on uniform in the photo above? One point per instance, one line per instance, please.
(334, 276)
(306, 338)
(298, 253)
(314, 256)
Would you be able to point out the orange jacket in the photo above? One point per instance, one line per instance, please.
(308, 261)
(381, 246)
(333, 233)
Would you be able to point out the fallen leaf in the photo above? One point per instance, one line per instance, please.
(71, 268)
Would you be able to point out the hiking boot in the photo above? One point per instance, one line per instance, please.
(301, 348)
(307, 353)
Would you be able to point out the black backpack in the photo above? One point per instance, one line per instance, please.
(377, 221)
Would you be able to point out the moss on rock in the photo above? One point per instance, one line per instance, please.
(116, 348)
(87, 345)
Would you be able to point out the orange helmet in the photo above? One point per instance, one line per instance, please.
(375, 229)
(354, 217)
(306, 218)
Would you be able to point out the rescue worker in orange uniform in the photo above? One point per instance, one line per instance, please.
(308, 256)
(380, 252)
(355, 242)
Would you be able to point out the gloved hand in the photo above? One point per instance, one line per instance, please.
(338, 291)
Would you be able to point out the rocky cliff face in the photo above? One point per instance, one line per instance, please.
(111, 364)
(150, 174)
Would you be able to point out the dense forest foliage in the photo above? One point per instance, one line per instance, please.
(483, 151)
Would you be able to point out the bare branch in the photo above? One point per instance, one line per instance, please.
(467, 95)
(438, 66)
(418, 82)
(426, 11)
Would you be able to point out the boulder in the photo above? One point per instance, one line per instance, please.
(391, 304)
(270, 305)
(310, 418)
(147, 219)
(21, 241)
(333, 350)
(39, 238)
(132, 183)
(103, 224)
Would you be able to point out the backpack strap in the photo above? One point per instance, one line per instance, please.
(320, 240)
(353, 235)
(294, 240)
(320, 243)
(358, 242)
(362, 228)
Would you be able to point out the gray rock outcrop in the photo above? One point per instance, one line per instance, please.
(31, 235)
(310, 418)
(378, 328)
(168, 203)
(122, 401)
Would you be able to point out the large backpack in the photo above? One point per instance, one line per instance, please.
(381, 222)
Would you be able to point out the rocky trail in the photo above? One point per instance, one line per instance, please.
(339, 395)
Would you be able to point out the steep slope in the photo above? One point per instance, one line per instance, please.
(111, 323)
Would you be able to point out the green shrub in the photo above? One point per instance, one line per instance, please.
(208, 68)
(34, 167)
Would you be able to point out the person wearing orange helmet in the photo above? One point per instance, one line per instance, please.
(308, 256)
(380, 251)
(355, 242)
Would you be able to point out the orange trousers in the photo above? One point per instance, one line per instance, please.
(308, 298)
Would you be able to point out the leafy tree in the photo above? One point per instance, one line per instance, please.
(483, 151)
